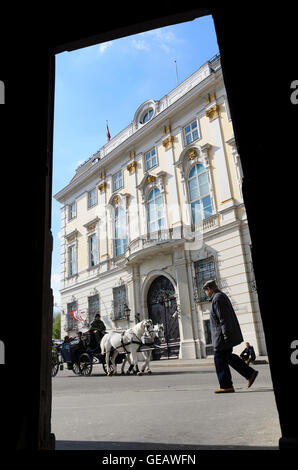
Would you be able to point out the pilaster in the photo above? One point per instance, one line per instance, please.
(213, 113)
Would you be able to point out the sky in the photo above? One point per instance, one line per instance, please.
(108, 82)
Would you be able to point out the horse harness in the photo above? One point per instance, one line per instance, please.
(139, 341)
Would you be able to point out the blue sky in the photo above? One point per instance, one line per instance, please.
(109, 81)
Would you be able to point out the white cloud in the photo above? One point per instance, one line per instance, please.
(161, 38)
(103, 47)
(140, 44)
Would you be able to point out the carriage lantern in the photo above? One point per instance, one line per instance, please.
(126, 311)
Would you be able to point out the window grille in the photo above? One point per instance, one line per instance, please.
(119, 303)
(93, 307)
(204, 271)
(71, 324)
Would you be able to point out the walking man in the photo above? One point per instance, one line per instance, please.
(226, 333)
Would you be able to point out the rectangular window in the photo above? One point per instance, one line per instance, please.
(92, 198)
(71, 324)
(119, 302)
(93, 307)
(72, 260)
(204, 271)
(118, 181)
(72, 211)
(93, 250)
(191, 132)
(150, 159)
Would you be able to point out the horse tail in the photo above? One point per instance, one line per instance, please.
(102, 345)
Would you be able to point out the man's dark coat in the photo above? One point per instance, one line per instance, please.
(225, 328)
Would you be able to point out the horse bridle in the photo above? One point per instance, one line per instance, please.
(147, 324)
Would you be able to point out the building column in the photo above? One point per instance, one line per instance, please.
(134, 293)
(212, 112)
(187, 343)
(172, 188)
(102, 226)
(133, 205)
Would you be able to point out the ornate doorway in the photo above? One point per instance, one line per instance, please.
(162, 306)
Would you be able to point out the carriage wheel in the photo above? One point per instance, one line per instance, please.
(55, 364)
(85, 364)
(76, 368)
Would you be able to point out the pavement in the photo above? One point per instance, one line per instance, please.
(198, 362)
(174, 408)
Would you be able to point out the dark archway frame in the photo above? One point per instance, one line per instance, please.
(257, 78)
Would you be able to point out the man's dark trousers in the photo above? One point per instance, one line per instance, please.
(222, 361)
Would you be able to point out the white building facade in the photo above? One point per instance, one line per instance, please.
(155, 213)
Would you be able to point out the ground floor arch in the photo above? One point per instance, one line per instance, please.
(162, 308)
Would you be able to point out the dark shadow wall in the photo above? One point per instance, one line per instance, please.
(257, 51)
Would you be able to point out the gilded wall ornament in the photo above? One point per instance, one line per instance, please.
(192, 154)
(168, 142)
(102, 187)
(131, 167)
(213, 112)
(150, 179)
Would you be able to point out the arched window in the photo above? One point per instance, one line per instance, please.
(155, 207)
(147, 116)
(120, 231)
(200, 199)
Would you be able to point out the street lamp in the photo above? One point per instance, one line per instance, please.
(126, 311)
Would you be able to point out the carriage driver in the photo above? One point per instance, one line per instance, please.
(99, 328)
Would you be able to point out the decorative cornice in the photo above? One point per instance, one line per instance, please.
(212, 112)
(91, 224)
(131, 155)
(166, 130)
(70, 237)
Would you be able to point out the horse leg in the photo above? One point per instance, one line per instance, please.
(123, 365)
(144, 354)
(127, 359)
(113, 361)
(148, 362)
(135, 362)
(108, 361)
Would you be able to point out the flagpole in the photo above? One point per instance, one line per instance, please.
(108, 132)
(176, 71)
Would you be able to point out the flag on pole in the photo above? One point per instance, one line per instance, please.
(77, 316)
(108, 133)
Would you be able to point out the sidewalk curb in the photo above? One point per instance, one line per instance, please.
(197, 362)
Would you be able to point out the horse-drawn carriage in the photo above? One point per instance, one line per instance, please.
(115, 348)
(79, 355)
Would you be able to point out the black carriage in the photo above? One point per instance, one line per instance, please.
(92, 354)
(79, 355)
(66, 353)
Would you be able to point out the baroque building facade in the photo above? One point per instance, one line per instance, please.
(155, 213)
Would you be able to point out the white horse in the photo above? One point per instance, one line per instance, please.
(128, 342)
(145, 352)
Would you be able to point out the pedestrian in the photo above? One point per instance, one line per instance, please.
(226, 333)
(248, 355)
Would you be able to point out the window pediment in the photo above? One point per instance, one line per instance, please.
(119, 199)
(193, 154)
(149, 181)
